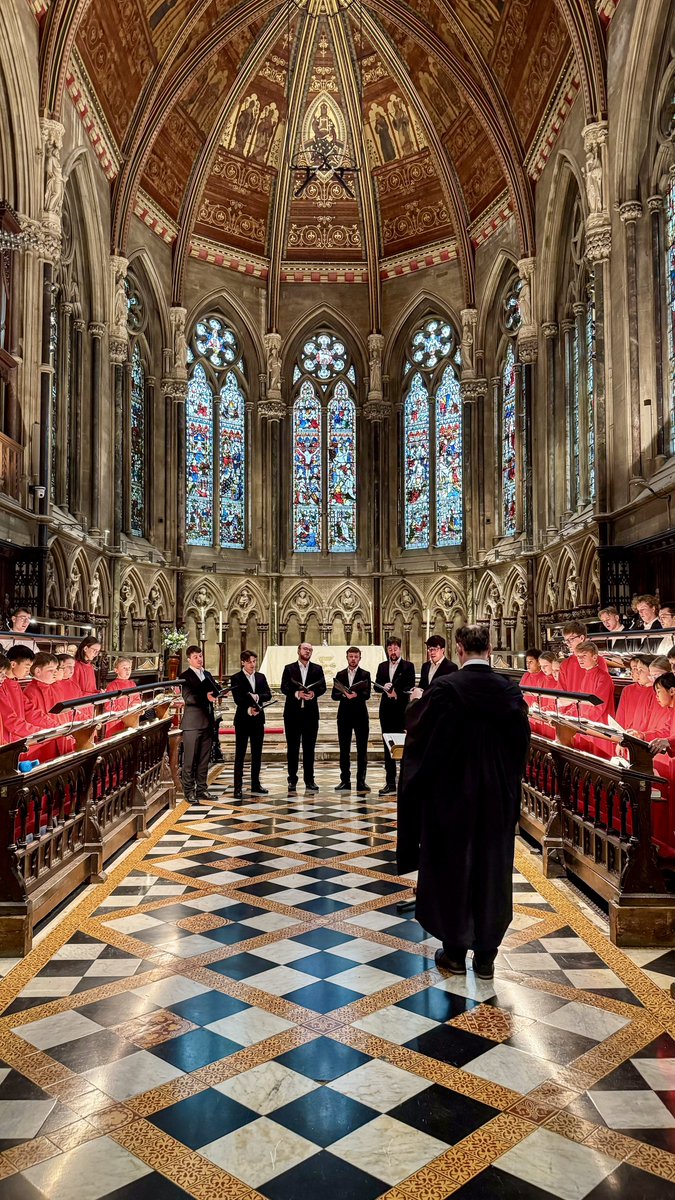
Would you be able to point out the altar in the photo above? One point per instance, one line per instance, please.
(331, 658)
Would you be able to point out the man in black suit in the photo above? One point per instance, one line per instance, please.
(302, 683)
(199, 692)
(435, 667)
(396, 678)
(250, 691)
(352, 689)
(459, 792)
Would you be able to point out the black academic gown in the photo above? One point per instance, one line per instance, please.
(465, 753)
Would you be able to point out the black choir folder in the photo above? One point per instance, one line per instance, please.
(394, 743)
(340, 687)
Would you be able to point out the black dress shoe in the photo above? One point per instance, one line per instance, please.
(237, 794)
(387, 791)
(362, 789)
(456, 966)
(292, 791)
(406, 906)
(343, 787)
(312, 787)
(258, 790)
(483, 966)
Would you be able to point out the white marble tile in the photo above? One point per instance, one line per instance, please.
(133, 924)
(23, 1118)
(4, 1072)
(375, 920)
(565, 1169)
(522, 921)
(388, 1149)
(286, 951)
(83, 951)
(280, 980)
(589, 1022)
(250, 1026)
(295, 881)
(259, 1151)
(350, 879)
(365, 979)
(222, 877)
(54, 1031)
(512, 1068)
(270, 922)
(193, 944)
(87, 1172)
(465, 985)
(565, 945)
(117, 968)
(360, 950)
(594, 978)
(352, 896)
(531, 962)
(235, 851)
(659, 1072)
(379, 1085)
(126, 1077)
(632, 1110)
(50, 985)
(528, 898)
(395, 1024)
(7, 965)
(267, 1087)
(292, 896)
(209, 902)
(122, 901)
(164, 889)
(179, 864)
(170, 991)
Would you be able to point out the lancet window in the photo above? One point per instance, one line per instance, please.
(215, 430)
(432, 438)
(324, 463)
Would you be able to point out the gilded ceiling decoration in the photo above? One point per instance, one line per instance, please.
(441, 104)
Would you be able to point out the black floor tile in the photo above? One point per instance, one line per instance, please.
(399, 962)
(324, 1116)
(450, 1045)
(241, 966)
(322, 1174)
(323, 1059)
(16, 1086)
(629, 1183)
(438, 1005)
(195, 1049)
(322, 939)
(323, 963)
(95, 1050)
(202, 1118)
(150, 1187)
(322, 997)
(443, 1114)
(494, 1184)
(557, 1045)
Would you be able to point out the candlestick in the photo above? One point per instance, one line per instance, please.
(428, 621)
(276, 623)
(220, 627)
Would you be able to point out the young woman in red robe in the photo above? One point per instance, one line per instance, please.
(637, 699)
(85, 673)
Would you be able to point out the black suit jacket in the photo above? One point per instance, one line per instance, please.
(392, 712)
(362, 693)
(242, 693)
(291, 682)
(445, 667)
(198, 712)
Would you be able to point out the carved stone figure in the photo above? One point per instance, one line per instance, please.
(375, 347)
(573, 590)
(520, 592)
(153, 603)
(552, 595)
(50, 581)
(593, 176)
(120, 309)
(202, 599)
(525, 302)
(126, 598)
(54, 181)
(244, 599)
(447, 597)
(74, 586)
(273, 347)
(407, 600)
(348, 599)
(467, 346)
(95, 593)
(178, 316)
(303, 599)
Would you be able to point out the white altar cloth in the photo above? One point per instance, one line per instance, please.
(331, 658)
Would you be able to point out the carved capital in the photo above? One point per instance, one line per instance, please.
(579, 310)
(175, 389)
(376, 410)
(598, 239)
(97, 329)
(119, 348)
(655, 204)
(528, 349)
(550, 329)
(473, 390)
(178, 317)
(79, 326)
(631, 210)
(272, 408)
(43, 238)
(594, 135)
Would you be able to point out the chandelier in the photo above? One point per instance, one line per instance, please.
(328, 8)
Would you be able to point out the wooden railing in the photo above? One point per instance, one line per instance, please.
(61, 822)
(11, 467)
(593, 818)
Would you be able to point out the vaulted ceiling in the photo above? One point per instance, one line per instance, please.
(447, 105)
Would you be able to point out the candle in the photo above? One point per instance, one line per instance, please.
(275, 631)
(220, 627)
(428, 621)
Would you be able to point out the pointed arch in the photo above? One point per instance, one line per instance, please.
(329, 318)
(425, 303)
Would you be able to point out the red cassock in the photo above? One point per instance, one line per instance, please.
(85, 678)
(573, 677)
(21, 718)
(539, 679)
(39, 699)
(663, 812)
(68, 689)
(120, 704)
(634, 705)
(599, 683)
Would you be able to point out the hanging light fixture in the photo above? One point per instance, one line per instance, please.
(323, 158)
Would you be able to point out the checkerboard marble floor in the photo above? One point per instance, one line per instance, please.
(242, 1010)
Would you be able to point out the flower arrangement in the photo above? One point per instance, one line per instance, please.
(175, 640)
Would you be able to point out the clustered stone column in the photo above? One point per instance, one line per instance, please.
(272, 410)
(550, 332)
(376, 412)
(528, 351)
(630, 214)
(655, 206)
(598, 249)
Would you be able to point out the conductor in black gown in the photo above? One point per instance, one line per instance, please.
(465, 753)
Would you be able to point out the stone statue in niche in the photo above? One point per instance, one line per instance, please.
(467, 346)
(95, 593)
(126, 599)
(54, 181)
(202, 599)
(573, 590)
(407, 600)
(153, 604)
(303, 599)
(50, 581)
(348, 599)
(593, 176)
(121, 309)
(525, 302)
(520, 592)
(447, 597)
(179, 342)
(244, 600)
(552, 595)
(74, 587)
(375, 345)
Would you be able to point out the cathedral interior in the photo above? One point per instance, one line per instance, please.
(330, 320)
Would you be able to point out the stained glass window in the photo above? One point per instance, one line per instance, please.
(341, 470)
(307, 491)
(432, 432)
(232, 464)
(137, 499)
(324, 415)
(53, 392)
(508, 438)
(215, 428)
(670, 276)
(576, 416)
(199, 433)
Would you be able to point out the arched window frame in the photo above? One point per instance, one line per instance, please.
(669, 235)
(136, 432)
(324, 453)
(578, 327)
(215, 358)
(432, 450)
(509, 406)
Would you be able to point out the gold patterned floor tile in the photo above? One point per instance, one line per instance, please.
(201, 923)
(154, 1028)
(29, 1153)
(182, 1166)
(6, 1167)
(569, 1126)
(477, 1151)
(427, 1184)
(531, 1110)
(489, 1022)
(74, 1135)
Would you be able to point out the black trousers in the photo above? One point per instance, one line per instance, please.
(252, 728)
(353, 718)
(197, 745)
(303, 728)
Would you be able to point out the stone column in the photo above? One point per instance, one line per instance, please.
(497, 506)
(126, 447)
(630, 214)
(568, 328)
(655, 206)
(584, 492)
(63, 391)
(150, 423)
(263, 630)
(473, 392)
(78, 379)
(550, 332)
(96, 333)
(118, 356)
(175, 393)
(272, 410)
(598, 249)
(377, 411)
